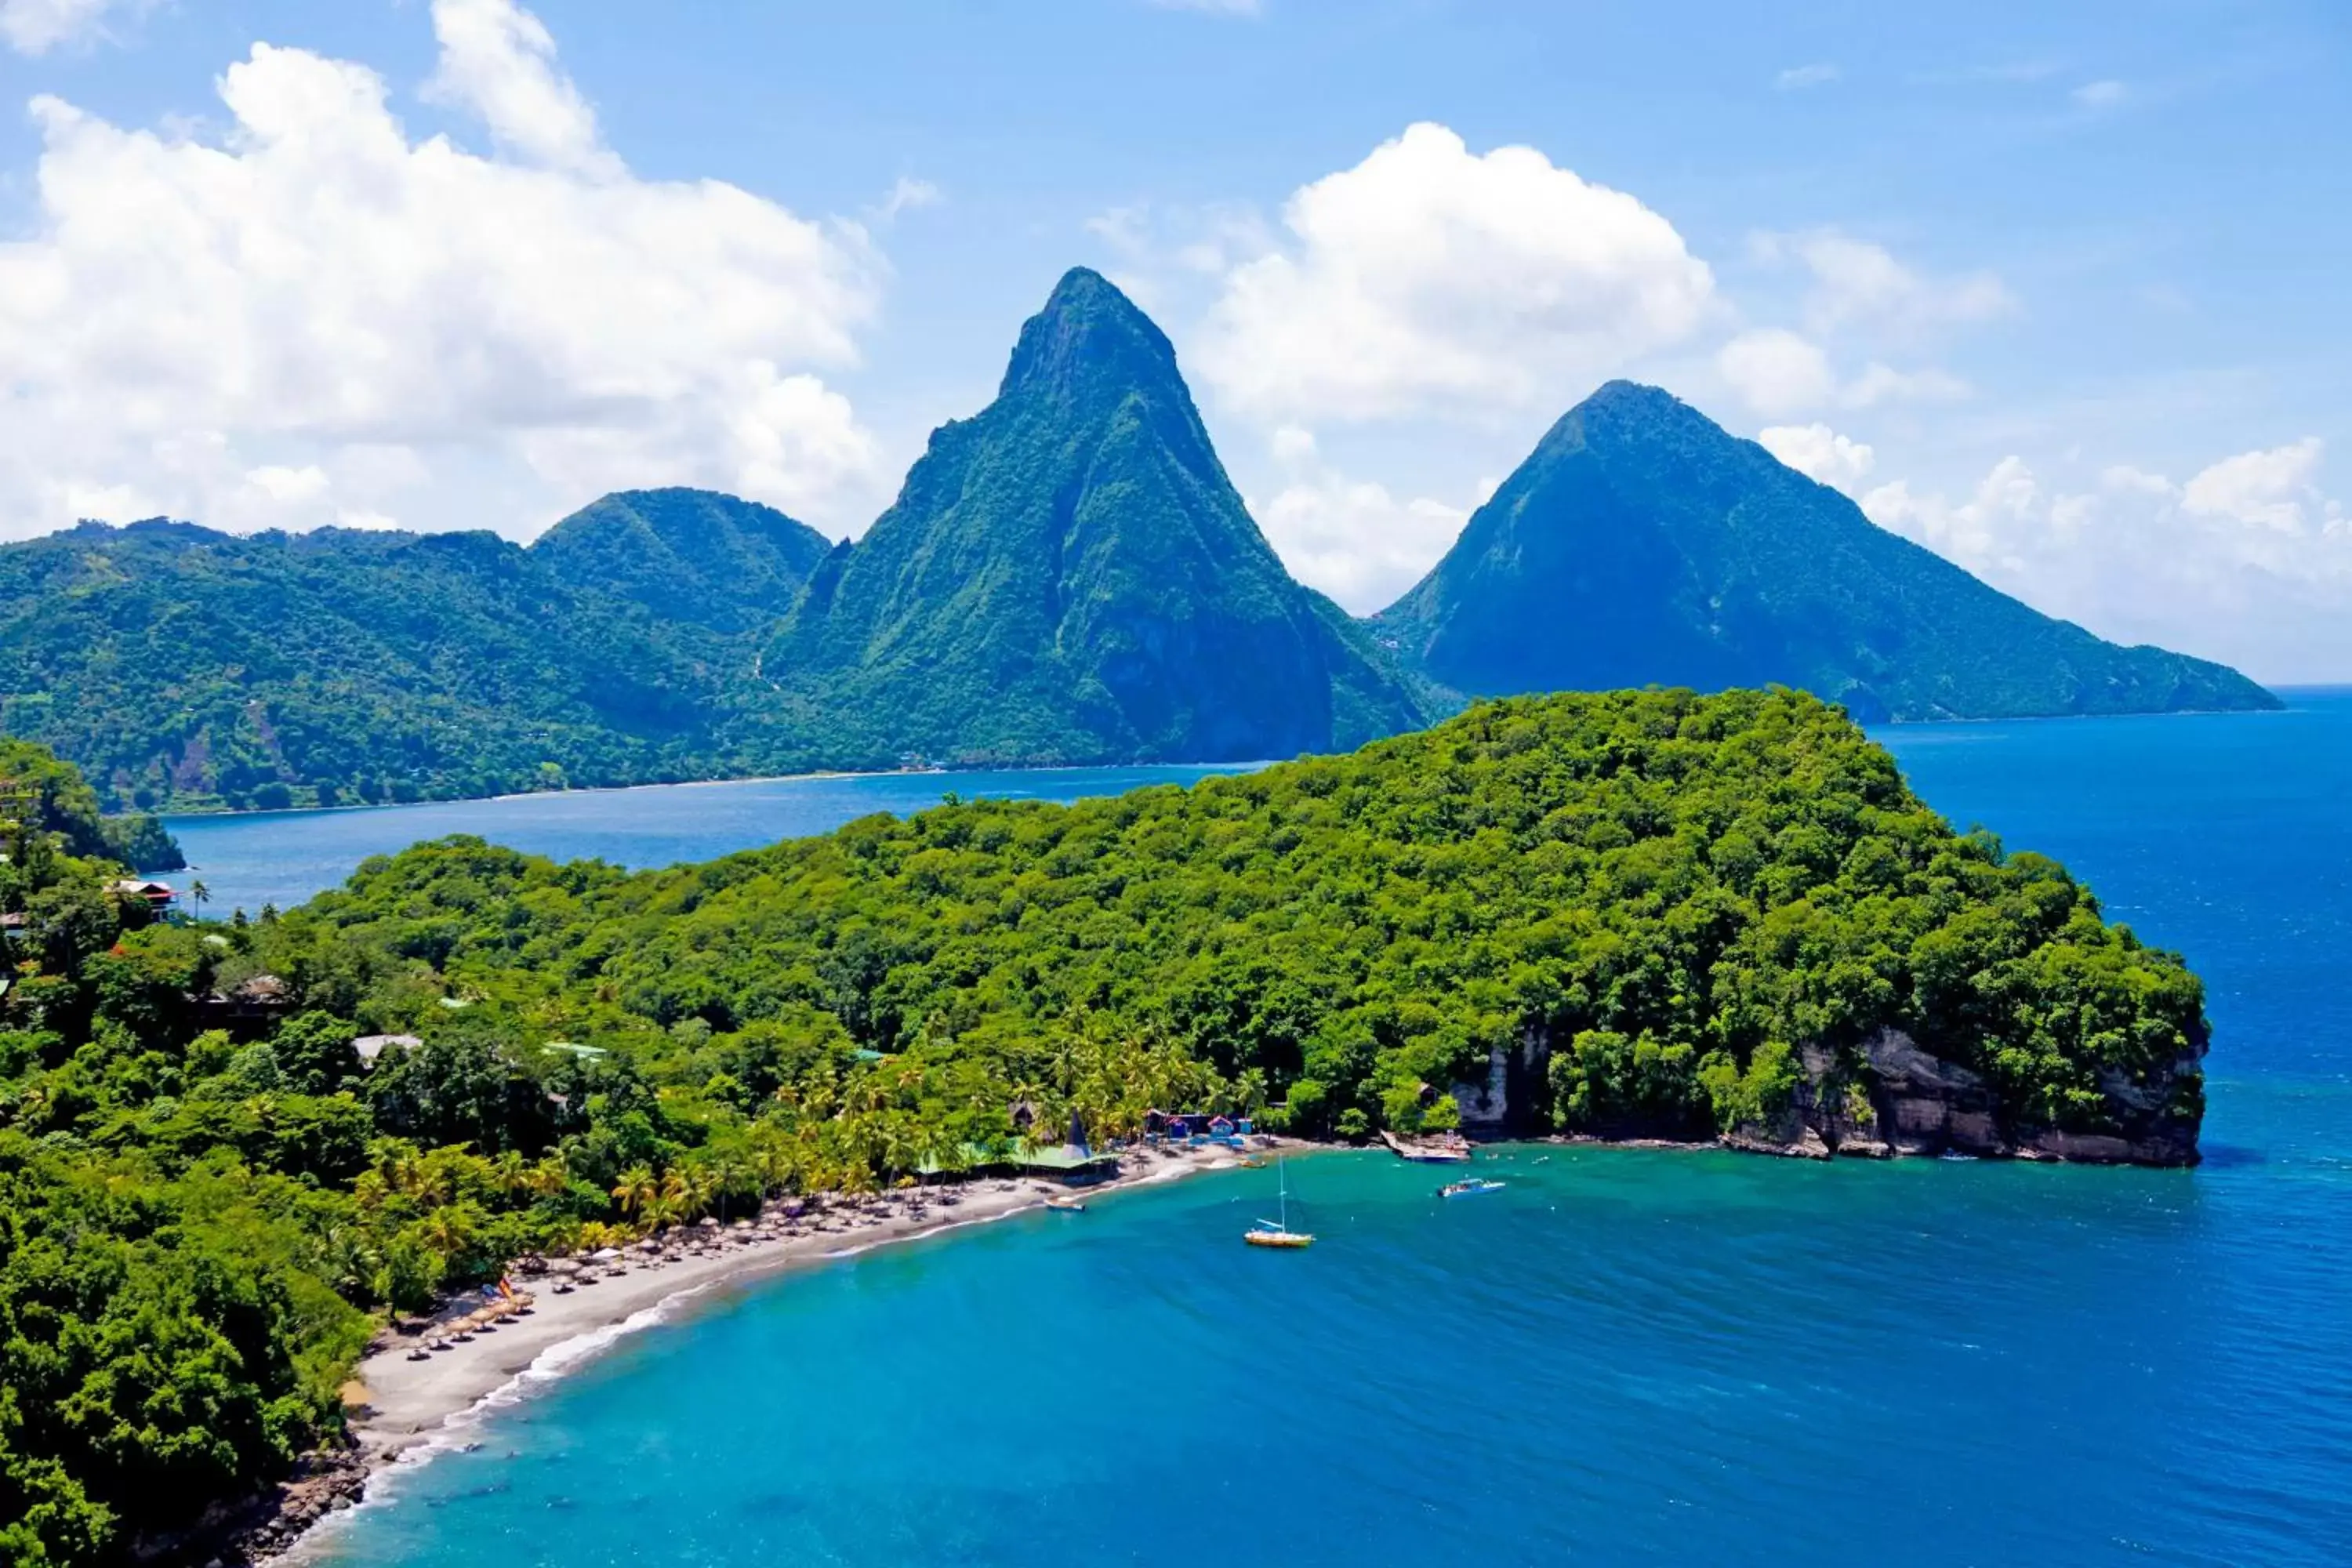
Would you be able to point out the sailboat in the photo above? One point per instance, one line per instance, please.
(1277, 1233)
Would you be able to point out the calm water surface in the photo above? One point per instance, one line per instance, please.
(1624, 1357)
(252, 858)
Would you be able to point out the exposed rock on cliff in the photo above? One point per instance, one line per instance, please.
(1893, 1098)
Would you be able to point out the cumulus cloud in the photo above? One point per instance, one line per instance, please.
(1429, 279)
(1820, 453)
(497, 61)
(1858, 301)
(2267, 490)
(2248, 560)
(1353, 539)
(37, 27)
(1777, 371)
(318, 317)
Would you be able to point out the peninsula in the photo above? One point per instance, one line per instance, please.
(229, 1153)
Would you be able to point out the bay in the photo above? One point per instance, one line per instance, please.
(1625, 1357)
(248, 859)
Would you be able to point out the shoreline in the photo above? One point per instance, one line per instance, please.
(402, 1411)
(166, 815)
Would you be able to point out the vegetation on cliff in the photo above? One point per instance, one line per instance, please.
(1642, 543)
(186, 669)
(1069, 576)
(205, 1192)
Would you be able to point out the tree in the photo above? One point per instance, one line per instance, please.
(314, 1051)
(637, 1192)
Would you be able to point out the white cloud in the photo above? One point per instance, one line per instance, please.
(2248, 560)
(1880, 383)
(1798, 77)
(1859, 285)
(1354, 540)
(282, 484)
(905, 194)
(2264, 490)
(1777, 371)
(37, 27)
(422, 326)
(1428, 279)
(497, 61)
(1982, 532)
(2097, 95)
(1820, 453)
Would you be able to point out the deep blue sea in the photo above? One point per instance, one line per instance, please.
(1625, 1357)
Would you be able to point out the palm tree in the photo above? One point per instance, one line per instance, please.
(448, 1230)
(637, 1192)
(676, 1195)
(199, 895)
(548, 1177)
(511, 1173)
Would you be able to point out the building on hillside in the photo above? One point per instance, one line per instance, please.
(156, 896)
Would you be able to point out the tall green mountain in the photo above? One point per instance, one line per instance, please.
(1640, 543)
(179, 666)
(1069, 576)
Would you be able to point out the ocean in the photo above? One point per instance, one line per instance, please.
(1624, 1356)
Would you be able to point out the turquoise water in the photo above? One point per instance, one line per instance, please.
(1623, 1357)
(282, 858)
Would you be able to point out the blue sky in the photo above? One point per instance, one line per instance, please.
(2059, 291)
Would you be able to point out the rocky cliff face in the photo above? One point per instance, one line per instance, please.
(1896, 1099)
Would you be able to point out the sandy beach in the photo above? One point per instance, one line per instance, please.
(397, 1402)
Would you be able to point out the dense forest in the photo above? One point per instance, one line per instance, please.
(1642, 544)
(207, 1196)
(186, 669)
(1068, 576)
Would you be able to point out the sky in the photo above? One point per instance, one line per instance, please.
(2059, 292)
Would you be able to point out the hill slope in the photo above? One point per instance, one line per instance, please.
(693, 557)
(1069, 576)
(1640, 543)
(179, 666)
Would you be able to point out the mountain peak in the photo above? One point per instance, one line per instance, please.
(1089, 333)
(1642, 543)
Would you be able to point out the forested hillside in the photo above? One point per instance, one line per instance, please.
(1707, 910)
(1641, 542)
(1069, 576)
(187, 669)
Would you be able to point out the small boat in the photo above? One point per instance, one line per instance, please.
(1278, 1232)
(1426, 1153)
(1065, 1205)
(1470, 1188)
